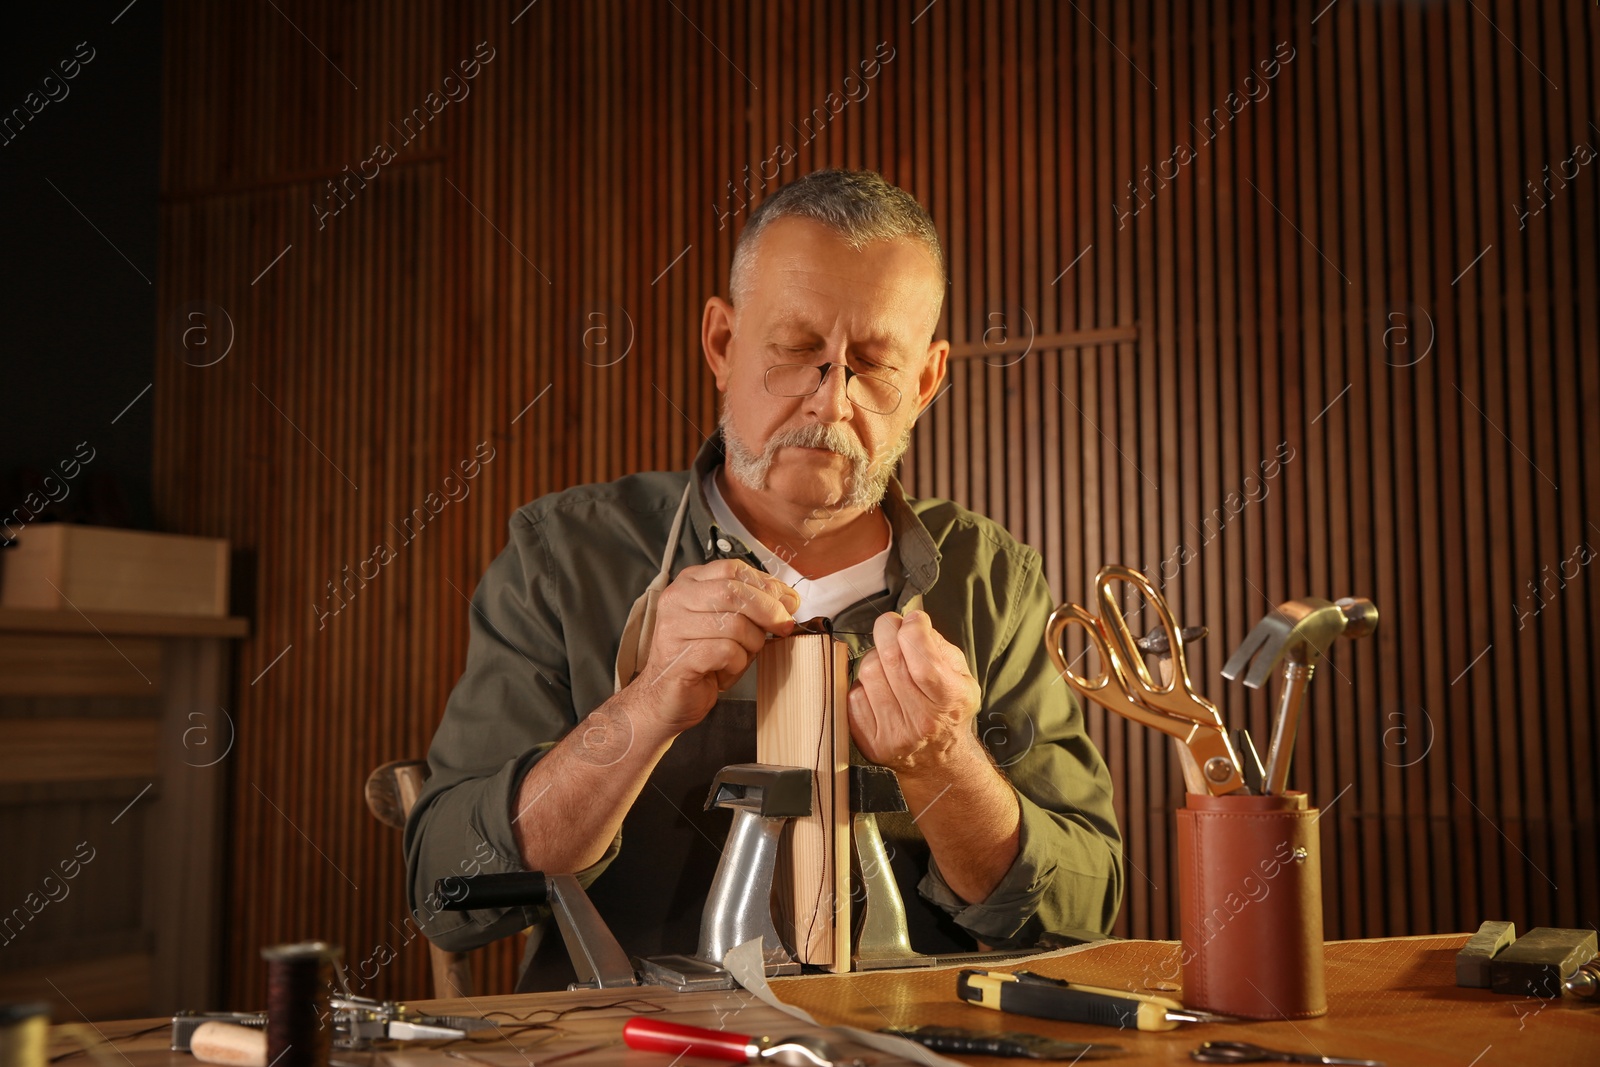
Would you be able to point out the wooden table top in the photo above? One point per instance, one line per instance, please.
(1390, 999)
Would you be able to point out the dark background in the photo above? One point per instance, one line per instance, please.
(80, 334)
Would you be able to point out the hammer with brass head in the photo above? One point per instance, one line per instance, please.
(1296, 634)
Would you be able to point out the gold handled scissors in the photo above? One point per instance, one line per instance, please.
(1124, 684)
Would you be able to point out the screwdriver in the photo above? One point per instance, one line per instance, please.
(1027, 993)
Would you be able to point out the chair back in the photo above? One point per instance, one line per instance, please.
(391, 792)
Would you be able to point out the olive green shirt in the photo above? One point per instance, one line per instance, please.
(545, 625)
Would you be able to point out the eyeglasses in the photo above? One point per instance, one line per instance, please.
(863, 390)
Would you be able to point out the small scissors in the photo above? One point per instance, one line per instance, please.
(1244, 1052)
(1124, 685)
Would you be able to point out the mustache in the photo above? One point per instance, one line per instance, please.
(819, 435)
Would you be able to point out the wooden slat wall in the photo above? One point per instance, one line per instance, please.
(1340, 275)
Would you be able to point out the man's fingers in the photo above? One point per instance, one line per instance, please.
(913, 657)
(720, 657)
(876, 723)
(726, 596)
(931, 663)
(696, 626)
(886, 638)
(863, 721)
(740, 571)
(736, 599)
(875, 685)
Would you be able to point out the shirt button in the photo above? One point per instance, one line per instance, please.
(724, 544)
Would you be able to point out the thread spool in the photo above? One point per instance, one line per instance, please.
(299, 1028)
(24, 1032)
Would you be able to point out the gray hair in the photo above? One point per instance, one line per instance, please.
(858, 205)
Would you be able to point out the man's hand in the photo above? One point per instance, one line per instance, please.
(913, 701)
(710, 623)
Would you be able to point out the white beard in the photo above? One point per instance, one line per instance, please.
(868, 480)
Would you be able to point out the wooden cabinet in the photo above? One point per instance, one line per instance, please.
(115, 738)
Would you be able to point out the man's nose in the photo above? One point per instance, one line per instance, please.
(831, 401)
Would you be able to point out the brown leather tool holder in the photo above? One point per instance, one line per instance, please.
(1250, 893)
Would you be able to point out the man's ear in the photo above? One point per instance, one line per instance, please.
(716, 332)
(932, 376)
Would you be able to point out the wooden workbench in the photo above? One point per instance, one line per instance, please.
(1391, 999)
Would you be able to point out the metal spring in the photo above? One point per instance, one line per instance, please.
(1585, 982)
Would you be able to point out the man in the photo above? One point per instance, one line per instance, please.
(590, 719)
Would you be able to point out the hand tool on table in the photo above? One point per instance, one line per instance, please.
(1012, 1044)
(1244, 1052)
(1296, 634)
(1026, 993)
(1124, 684)
(357, 1022)
(368, 1020)
(658, 1035)
(229, 1044)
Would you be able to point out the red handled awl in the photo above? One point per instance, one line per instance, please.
(655, 1035)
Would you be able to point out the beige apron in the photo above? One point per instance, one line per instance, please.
(634, 650)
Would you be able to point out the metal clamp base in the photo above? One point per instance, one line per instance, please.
(691, 974)
(951, 959)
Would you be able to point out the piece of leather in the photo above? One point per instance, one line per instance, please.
(634, 648)
(1250, 896)
(640, 628)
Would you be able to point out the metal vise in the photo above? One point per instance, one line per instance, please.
(739, 907)
(882, 938)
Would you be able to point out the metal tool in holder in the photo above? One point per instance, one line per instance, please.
(1124, 683)
(1296, 634)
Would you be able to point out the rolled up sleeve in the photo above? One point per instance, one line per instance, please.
(511, 705)
(1068, 874)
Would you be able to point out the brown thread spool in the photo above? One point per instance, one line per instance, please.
(299, 1028)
